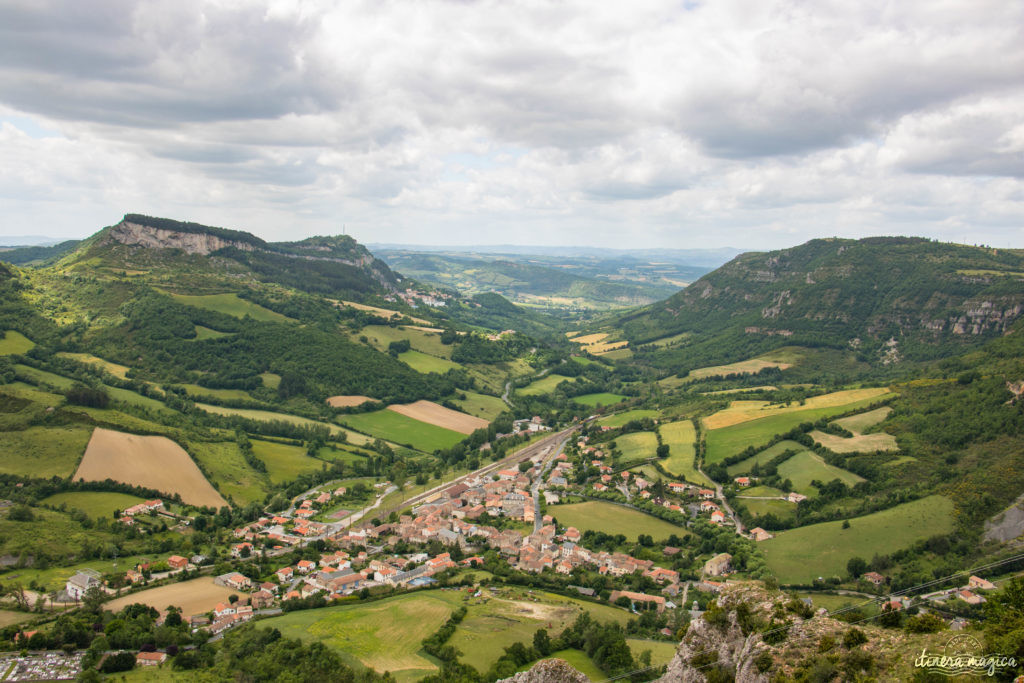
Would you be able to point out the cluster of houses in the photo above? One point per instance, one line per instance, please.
(142, 508)
(287, 528)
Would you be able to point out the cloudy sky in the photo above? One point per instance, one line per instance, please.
(619, 124)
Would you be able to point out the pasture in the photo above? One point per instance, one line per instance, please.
(860, 423)
(439, 416)
(760, 508)
(386, 313)
(133, 398)
(764, 456)
(196, 391)
(271, 380)
(115, 369)
(662, 652)
(803, 554)
(806, 466)
(608, 348)
(15, 343)
(284, 462)
(231, 304)
(680, 437)
(425, 363)
(636, 445)
(603, 399)
(613, 519)
(544, 385)
(426, 342)
(269, 416)
(395, 427)
(43, 377)
(347, 401)
(228, 468)
(588, 339)
(742, 427)
(93, 503)
(619, 419)
(193, 597)
(153, 462)
(481, 405)
(43, 451)
(208, 333)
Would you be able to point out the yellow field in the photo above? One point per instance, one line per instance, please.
(744, 411)
(347, 401)
(588, 339)
(605, 347)
(153, 462)
(119, 371)
(432, 413)
(859, 442)
(745, 367)
(193, 597)
(862, 443)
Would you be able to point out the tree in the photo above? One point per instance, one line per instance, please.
(662, 451)
(542, 642)
(856, 566)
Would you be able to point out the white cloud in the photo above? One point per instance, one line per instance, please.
(728, 123)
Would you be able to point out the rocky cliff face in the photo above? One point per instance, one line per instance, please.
(134, 234)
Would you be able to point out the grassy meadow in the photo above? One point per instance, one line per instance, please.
(227, 468)
(764, 456)
(613, 519)
(231, 304)
(425, 363)
(284, 462)
(805, 467)
(43, 451)
(636, 445)
(803, 554)
(544, 385)
(481, 405)
(680, 437)
(93, 503)
(15, 343)
(603, 398)
(619, 419)
(391, 426)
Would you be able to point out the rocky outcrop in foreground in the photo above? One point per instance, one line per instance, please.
(549, 671)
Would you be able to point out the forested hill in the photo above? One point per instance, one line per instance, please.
(160, 247)
(889, 297)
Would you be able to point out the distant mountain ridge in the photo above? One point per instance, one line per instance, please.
(909, 292)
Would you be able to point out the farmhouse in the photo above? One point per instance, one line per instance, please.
(82, 581)
(795, 497)
(150, 658)
(873, 577)
(177, 562)
(979, 583)
(758, 534)
(658, 601)
(718, 565)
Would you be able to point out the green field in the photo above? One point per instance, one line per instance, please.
(115, 369)
(94, 504)
(764, 456)
(726, 441)
(637, 445)
(803, 554)
(207, 333)
(225, 466)
(680, 437)
(662, 651)
(43, 377)
(230, 304)
(603, 398)
(136, 399)
(269, 416)
(760, 508)
(761, 491)
(427, 342)
(425, 363)
(43, 451)
(619, 419)
(55, 578)
(386, 635)
(613, 519)
(12, 343)
(195, 391)
(544, 385)
(284, 462)
(270, 380)
(481, 405)
(389, 425)
(858, 424)
(383, 635)
(805, 467)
